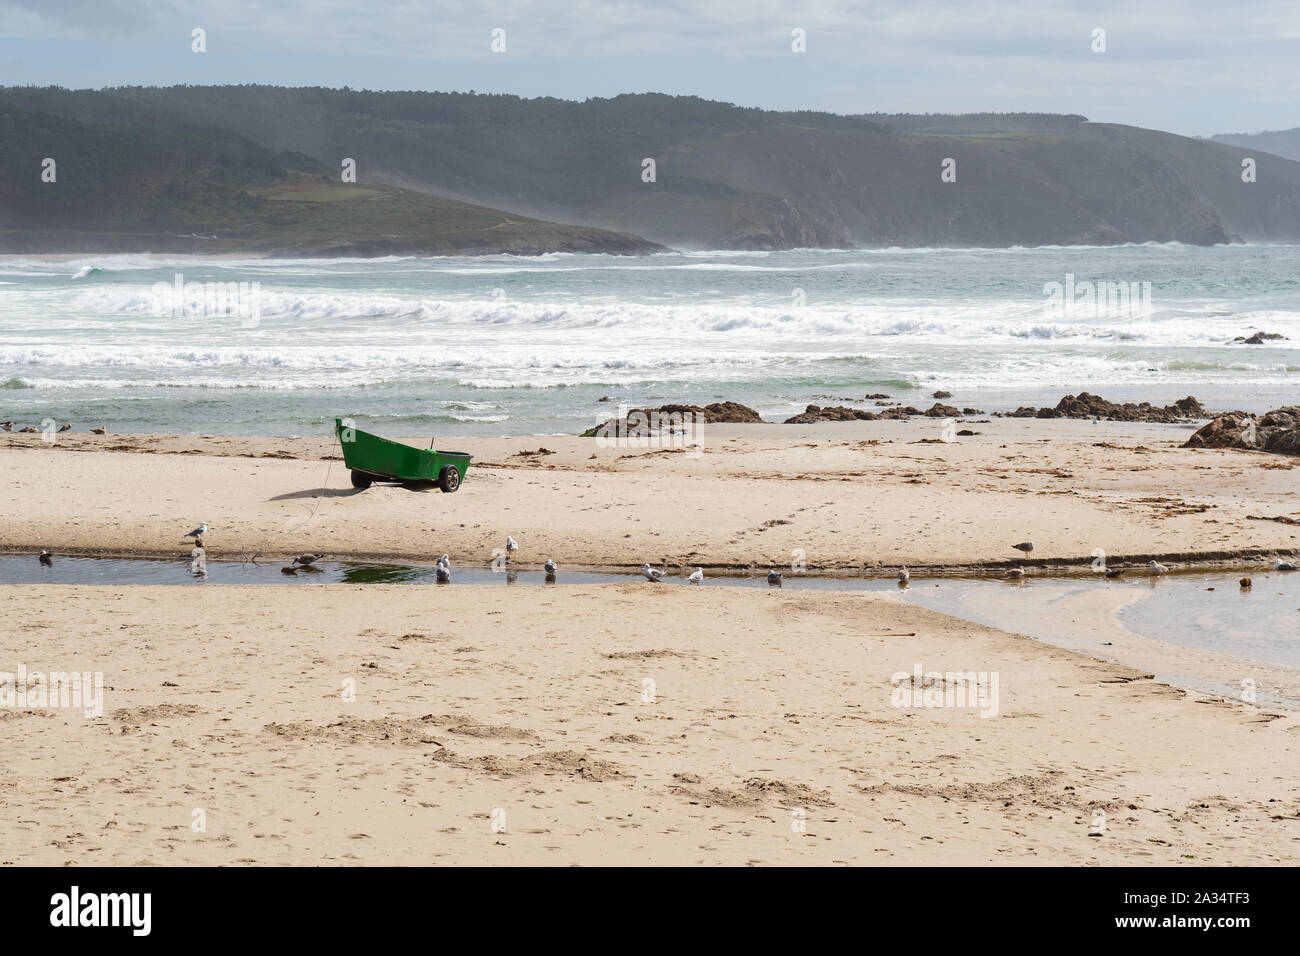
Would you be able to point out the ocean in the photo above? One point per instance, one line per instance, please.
(504, 345)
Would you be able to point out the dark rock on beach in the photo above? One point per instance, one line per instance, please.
(901, 412)
(942, 411)
(1085, 405)
(717, 413)
(838, 413)
(1277, 431)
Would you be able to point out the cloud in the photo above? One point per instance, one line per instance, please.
(1168, 63)
(42, 17)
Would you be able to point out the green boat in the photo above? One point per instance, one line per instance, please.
(372, 459)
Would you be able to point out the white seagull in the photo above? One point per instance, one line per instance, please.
(904, 575)
(511, 544)
(696, 576)
(443, 562)
(774, 578)
(1025, 546)
(551, 566)
(651, 574)
(443, 573)
(1284, 566)
(199, 532)
(1157, 568)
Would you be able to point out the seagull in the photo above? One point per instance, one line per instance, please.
(66, 427)
(27, 430)
(7, 426)
(1025, 546)
(904, 575)
(774, 578)
(47, 559)
(443, 573)
(651, 574)
(511, 544)
(551, 566)
(199, 532)
(1284, 566)
(696, 576)
(1157, 568)
(305, 559)
(97, 431)
(443, 562)
(1016, 573)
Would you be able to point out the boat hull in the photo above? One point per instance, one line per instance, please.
(381, 459)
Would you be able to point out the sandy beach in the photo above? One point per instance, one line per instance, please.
(634, 723)
(767, 736)
(851, 497)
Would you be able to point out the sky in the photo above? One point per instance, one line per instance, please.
(1193, 67)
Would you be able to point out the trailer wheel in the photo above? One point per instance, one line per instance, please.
(361, 481)
(449, 480)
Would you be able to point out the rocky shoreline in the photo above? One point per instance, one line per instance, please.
(1277, 431)
(1083, 405)
(1086, 405)
(841, 413)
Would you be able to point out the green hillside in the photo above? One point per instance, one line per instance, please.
(164, 185)
(726, 177)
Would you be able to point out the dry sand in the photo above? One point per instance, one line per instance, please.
(854, 496)
(531, 702)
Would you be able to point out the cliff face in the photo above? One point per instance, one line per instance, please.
(1267, 209)
(847, 188)
(725, 177)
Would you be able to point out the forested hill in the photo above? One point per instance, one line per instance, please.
(1282, 142)
(143, 181)
(725, 176)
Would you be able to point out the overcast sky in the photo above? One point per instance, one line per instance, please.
(1190, 66)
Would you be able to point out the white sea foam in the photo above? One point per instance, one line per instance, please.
(663, 324)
